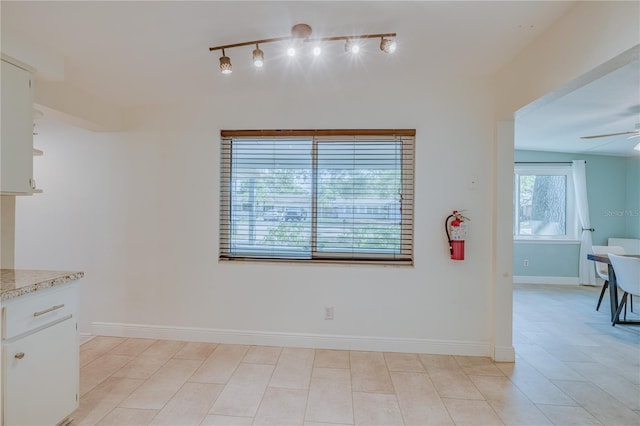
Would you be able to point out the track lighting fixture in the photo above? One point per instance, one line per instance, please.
(258, 57)
(351, 47)
(301, 33)
(387, 45)
(225, 64)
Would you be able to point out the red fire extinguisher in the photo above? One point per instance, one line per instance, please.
(456, 233)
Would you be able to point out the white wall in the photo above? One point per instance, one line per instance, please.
(590, 34)
(138, 212)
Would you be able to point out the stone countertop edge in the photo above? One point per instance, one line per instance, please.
(19, 282)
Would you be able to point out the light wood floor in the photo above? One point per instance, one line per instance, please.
(572, 367)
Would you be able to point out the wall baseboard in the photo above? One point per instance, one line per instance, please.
(85, 337)
(521, 279)
(504, 354)
(317, 341)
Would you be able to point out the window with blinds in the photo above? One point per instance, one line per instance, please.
(317, 195)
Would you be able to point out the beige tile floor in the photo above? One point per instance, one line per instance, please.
(572, 367)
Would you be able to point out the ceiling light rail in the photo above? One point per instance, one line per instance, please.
(302, 33)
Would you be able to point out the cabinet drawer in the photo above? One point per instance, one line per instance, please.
(39, 309)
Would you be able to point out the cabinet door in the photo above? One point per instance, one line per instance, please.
(41, 376)
(16, 137)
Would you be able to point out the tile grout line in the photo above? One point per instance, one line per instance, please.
(149, 378)
(103, 380)
(118, 404)
(306, 405)
(266, 387)
(353, 405)
(230, 377)
(180, 388)
(546, 378)
(111, 376)
(484, 398)
(594, 414)
(395, 392)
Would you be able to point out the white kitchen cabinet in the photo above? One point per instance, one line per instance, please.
(40, 356)
(41, 376)
(16, 135)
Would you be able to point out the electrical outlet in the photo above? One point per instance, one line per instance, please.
(525, 263)
(328, 313)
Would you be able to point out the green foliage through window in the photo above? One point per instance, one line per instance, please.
(543, 203)
(311, 198)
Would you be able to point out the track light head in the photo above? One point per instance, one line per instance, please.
(258, 57)
(317, 51)
(225, 64)
(291, 51)
(387, 45)
(351, 47)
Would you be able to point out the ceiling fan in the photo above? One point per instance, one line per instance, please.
(634, 134)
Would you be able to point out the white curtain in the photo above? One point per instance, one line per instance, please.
(586, 269)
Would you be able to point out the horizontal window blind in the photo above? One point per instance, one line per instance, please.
(323, 197)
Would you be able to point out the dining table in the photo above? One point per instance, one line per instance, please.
(613, 286)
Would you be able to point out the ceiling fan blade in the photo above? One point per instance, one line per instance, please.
(633, 132)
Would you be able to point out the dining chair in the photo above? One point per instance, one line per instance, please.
(627, 270)
(602, 269)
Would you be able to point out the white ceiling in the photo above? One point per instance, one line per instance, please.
(610, 104)
(146, 52)
(133, 53)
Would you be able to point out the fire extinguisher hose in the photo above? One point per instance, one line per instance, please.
(446, 229)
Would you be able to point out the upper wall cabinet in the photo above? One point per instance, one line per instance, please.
(16, 136)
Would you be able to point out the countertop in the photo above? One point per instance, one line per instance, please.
(18, 282)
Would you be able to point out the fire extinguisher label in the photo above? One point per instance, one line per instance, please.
(459, 232)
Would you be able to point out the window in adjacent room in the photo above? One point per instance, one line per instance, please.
(544, 202)
(317, 195)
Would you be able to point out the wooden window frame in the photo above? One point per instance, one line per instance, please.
(407, 168)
